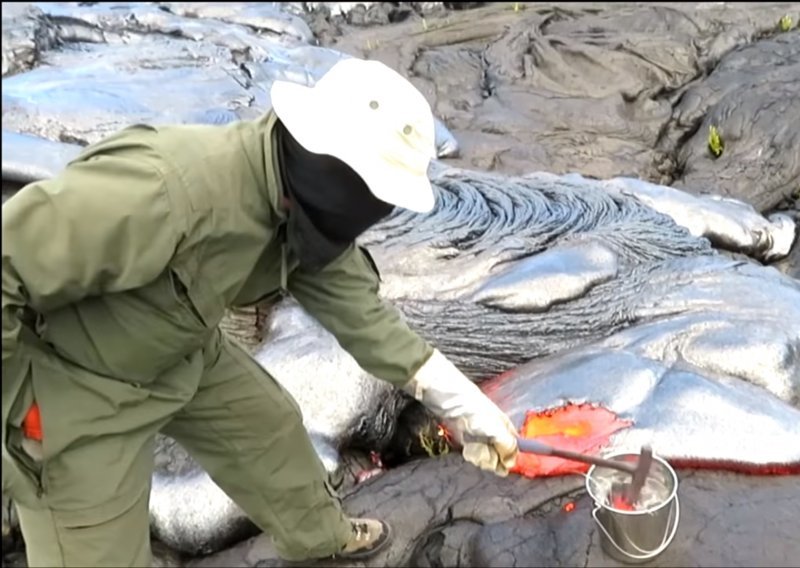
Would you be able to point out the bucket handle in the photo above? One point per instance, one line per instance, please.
(648, 555)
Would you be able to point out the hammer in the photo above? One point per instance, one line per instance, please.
(639, 470)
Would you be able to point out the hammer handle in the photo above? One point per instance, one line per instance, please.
(534, 447)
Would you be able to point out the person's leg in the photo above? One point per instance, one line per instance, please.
(82, 493)
(58, 538)
(247, 432)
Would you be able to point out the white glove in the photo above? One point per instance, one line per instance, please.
(487, 436)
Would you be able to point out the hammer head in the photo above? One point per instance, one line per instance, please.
(643, 465)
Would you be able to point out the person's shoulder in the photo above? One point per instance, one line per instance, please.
(219, 167)
(137, 143)
(211, 166)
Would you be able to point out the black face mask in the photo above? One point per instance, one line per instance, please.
(330, 203)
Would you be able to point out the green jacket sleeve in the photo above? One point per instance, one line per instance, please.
(103, 225)
(343, 297)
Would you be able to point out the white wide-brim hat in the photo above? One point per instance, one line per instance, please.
(374, 120)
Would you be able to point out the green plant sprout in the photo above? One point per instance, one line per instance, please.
(715, 142)
(434, 444)
(785, 23)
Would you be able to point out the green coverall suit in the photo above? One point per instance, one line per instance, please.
(116, 275)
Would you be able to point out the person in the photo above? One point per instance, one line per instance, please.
(117, 272)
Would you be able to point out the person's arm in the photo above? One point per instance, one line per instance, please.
(344, 299)
(103, 225)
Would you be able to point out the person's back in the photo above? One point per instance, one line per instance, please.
(212, 191)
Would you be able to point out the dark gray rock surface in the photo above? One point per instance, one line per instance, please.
(625, 91)
(446, 513)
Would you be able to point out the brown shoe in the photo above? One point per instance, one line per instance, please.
(368, 537)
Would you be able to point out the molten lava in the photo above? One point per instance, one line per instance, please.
(621, 503)
(577, 427)
(442, 432)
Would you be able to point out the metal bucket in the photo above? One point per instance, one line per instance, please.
(635, 537)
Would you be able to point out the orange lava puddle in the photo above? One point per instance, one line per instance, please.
(577, 427)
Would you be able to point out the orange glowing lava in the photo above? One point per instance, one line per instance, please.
(621, 503)
(443, 433)
(569, 507)
(577, 427)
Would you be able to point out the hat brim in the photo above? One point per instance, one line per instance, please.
(322, 131)
(394, 185)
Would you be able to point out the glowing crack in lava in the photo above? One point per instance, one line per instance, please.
(580, 428)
